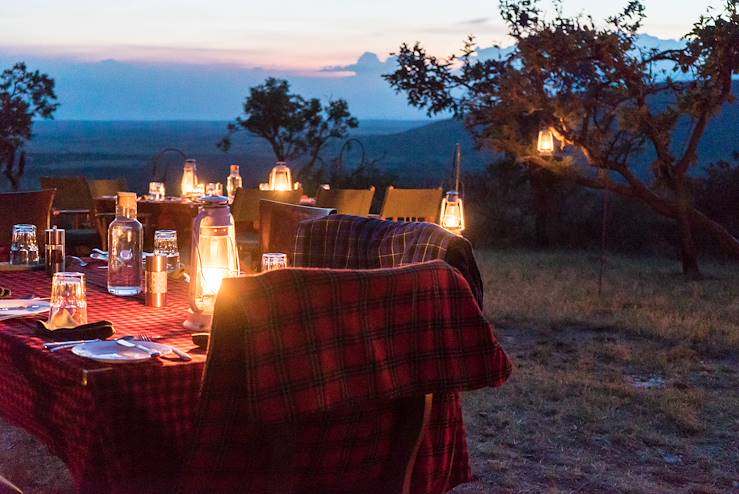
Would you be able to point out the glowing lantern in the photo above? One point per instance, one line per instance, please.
(189, 178)
(214, 257)
(545, 143)
(279, 178)
(452, 212)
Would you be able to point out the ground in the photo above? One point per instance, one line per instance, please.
(635, 390)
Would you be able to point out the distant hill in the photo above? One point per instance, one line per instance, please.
(419, 152)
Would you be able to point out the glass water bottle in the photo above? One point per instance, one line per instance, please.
(233, 182)
(125, 246)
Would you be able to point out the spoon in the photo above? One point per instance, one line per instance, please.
(80, 261)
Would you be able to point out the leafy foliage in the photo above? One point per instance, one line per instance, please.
(23, 96)
(592, 86)
(295, 127)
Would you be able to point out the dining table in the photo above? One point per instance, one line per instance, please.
(120, 428)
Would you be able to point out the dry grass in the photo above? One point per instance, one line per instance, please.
(575, 416)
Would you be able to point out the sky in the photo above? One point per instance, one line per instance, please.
(295, 35)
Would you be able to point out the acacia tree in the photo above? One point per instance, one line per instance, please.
(293, 126)
(607, 100)
(23, 96)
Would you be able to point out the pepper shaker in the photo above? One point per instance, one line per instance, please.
(54, 250)
(156, 281)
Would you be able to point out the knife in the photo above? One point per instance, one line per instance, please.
(128, 344)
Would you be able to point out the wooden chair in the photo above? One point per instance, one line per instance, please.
(412, 204)
(24, 207)
(72, 202)
(279, 223)
(107, 186)
(356, 202)
(245, 211)
(7, 487)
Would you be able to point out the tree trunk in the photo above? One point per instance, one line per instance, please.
(688, 252)
(542, 207)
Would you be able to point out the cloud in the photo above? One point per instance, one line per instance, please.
(475, 21)
(367, 64)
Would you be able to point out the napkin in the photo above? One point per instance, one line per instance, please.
(90, 331)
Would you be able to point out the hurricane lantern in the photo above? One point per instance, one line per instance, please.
(452, 212)
(189, 178)
(545, 143)
(279, 177)
(214, 257)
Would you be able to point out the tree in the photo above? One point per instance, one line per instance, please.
(293, 126)
(607, 100)
(23, 96)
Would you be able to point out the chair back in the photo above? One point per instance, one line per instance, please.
(245, 206)
(25, 207)
(412, 204)
(107, 186)
(346, 201)
(72, 193)
(321, 380)
(279, 224)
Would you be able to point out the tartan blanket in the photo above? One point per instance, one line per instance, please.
(343, 241)
(306, 368)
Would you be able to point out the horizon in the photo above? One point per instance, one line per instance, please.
(195, 63)
(291, 36)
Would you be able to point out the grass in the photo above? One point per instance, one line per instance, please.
(633, 391)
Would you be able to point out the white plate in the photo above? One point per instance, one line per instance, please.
(111, 352)
(22, 307)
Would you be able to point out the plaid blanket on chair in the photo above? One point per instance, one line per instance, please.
(308, 371)
(352, 242)
(343, 241)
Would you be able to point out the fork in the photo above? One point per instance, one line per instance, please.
(183, 356)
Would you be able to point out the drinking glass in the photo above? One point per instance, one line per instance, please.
(273, 260)
(214, 189)
(199, 190)
(23, 246)
(156, 190)
(68, 302)
(165, 244)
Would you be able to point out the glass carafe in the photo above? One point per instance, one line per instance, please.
(125, 248)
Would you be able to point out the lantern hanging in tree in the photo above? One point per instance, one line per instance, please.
(451, 215)
(545, 143)
(279, 178)
(214, 257)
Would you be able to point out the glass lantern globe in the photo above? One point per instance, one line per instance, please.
(214, 258)
(280, 178)
(451, 215)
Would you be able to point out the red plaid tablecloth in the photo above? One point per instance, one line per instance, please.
(118, 427)
(306, 366)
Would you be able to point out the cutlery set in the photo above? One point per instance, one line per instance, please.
(126, 341)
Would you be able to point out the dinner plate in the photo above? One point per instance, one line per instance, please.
(10, 307)
(111, 352)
